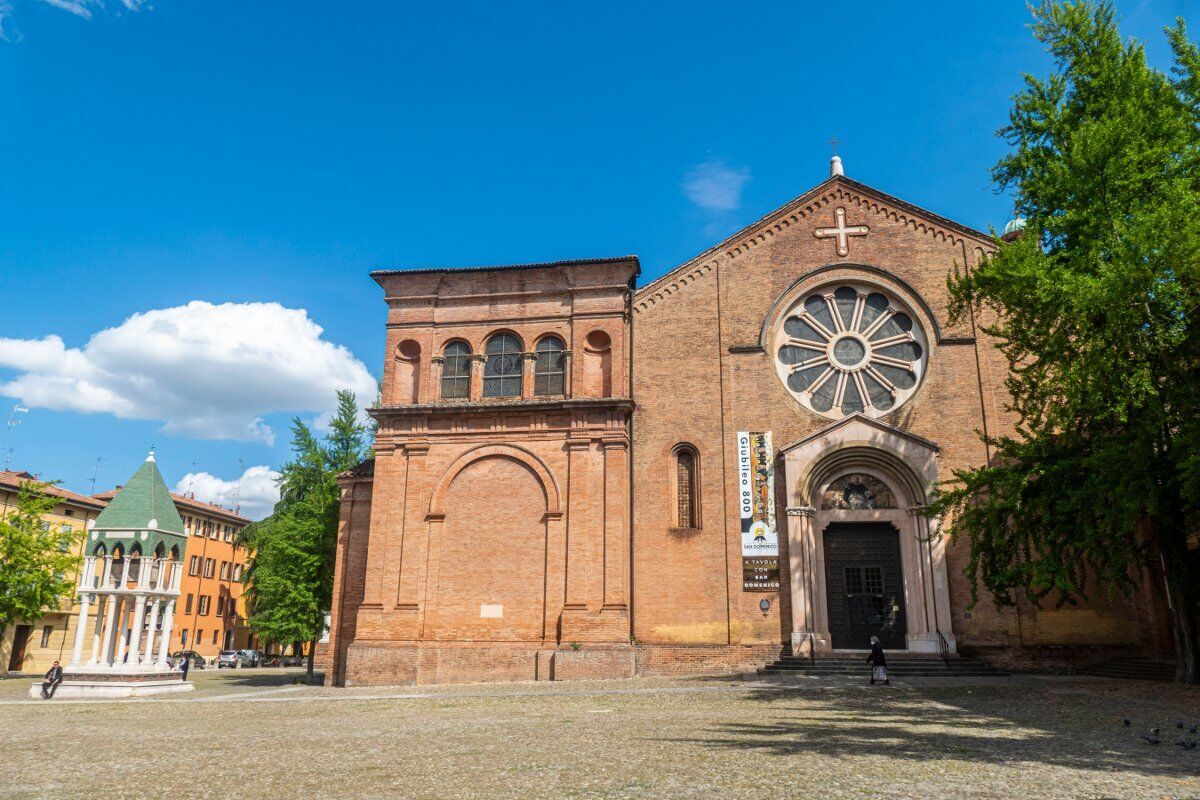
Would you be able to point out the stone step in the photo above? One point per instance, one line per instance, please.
(921, 673)
(900, 665)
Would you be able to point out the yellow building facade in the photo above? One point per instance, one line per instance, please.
(33, 645)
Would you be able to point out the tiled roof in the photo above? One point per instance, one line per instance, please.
(364, 469)
(143, 499)
(190, 503)
(14, 480)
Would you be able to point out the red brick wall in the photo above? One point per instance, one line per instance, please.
(524, 502)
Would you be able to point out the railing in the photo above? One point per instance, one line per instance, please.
(943, 648)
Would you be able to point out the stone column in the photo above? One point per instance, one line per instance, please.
(437, 365)
(477, 361)
(102, 604)
(135, 633)
(528, 361)
(112, 621)
(801, 569)
(85, 602)
(568, 374)
(122, 646)
(164, 641)
(148, 658)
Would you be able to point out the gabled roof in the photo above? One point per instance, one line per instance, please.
(143, 503)
(798, 202)
(13, 481)
(871, 422)
(189, 504)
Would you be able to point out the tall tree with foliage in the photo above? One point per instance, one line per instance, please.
(1095, 310)
(37, 559)
(290, 580)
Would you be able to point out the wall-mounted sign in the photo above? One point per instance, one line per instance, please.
(756, 494)
(760, 574)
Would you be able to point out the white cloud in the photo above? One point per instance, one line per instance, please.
(80, 8)
(83, 8)
(254, 494)
(206, 371)
(715, 186)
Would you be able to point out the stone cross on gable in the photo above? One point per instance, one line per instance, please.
(841, 232)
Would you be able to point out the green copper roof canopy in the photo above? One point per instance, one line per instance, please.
(142, 504)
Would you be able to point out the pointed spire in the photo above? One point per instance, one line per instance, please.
(835, 167)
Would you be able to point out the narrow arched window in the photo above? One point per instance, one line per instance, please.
(456, 371)
(549, 370)
(687, 512)
(502, 370)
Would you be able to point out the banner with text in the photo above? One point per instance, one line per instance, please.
(756, 487)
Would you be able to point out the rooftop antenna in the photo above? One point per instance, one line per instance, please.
(96, 473)
(192, 479)
(237, 491)
(12, 423)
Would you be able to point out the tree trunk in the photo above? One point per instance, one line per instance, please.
(312, 655)
(1172, 548)
(1187, 644)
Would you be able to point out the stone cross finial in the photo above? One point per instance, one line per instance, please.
(841, 232)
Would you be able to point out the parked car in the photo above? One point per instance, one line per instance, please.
(198, 661)
(251, 658)
(236, 659)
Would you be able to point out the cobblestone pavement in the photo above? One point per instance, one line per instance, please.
(259, 734)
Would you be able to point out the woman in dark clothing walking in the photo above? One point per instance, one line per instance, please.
(878, 663)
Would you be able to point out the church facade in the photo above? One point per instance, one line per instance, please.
(579, 477)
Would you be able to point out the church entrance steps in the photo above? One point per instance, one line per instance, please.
(1144, 669)
(898, 664)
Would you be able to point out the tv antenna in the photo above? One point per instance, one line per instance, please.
(96, 473)
(237, 490)
(192, 479)
(12, 423)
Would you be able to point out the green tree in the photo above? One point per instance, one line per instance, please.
(37, 559)
(1095, 310)
(290, 580)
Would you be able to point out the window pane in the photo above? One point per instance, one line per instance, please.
(685, 465)
(549, 371)
(874, 580)
(502, 370)
(456, 371)
(854, 580)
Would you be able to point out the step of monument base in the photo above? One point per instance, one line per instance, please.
(112, 689)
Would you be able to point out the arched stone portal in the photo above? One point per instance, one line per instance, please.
(853, 482)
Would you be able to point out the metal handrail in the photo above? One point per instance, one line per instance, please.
(943, 648)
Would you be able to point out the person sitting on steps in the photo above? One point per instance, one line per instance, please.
(53, 679)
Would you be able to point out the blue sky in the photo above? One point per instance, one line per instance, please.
(203, 185)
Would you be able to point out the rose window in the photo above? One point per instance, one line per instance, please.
(850, 349)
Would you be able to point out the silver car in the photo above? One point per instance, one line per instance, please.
(230, 658)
